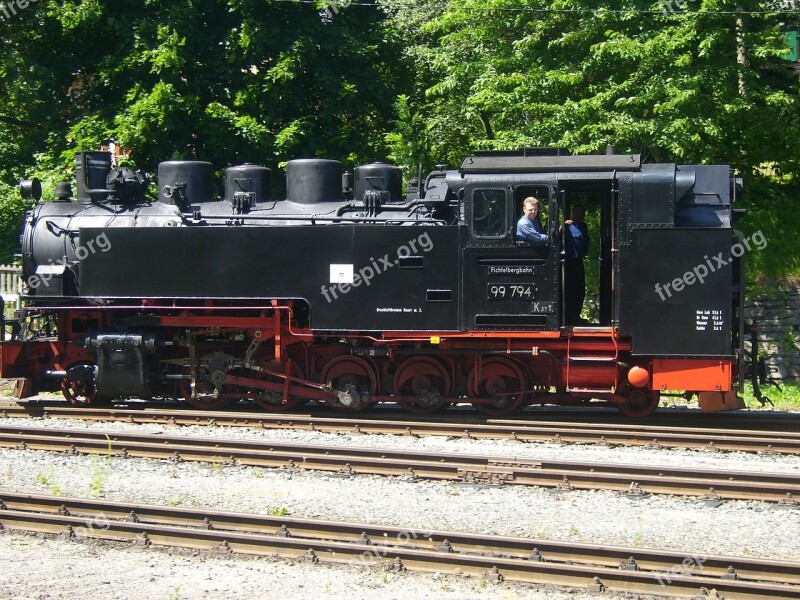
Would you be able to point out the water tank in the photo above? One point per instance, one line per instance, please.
(185, 182)
(379, 177)
(313, 180)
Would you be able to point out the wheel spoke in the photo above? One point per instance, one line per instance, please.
(79, 392)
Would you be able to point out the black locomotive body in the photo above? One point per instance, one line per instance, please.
(350, 292)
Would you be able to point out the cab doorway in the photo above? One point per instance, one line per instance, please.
(595, 199)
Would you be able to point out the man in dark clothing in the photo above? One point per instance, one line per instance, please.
(575, 235)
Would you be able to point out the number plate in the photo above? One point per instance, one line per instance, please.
(511, 291)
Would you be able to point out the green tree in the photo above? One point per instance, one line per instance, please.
(510, 73)
(225, 81)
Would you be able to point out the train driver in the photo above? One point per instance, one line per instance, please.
(529, 227)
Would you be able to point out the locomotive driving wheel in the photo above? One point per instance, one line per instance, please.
(352, 378)
(639, 403)
(203, 387)
(500, 378)
(427, 380)
(205, 391)
(205, 395)
(80, 391)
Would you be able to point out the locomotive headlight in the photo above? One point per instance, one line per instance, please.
(638, 377)
(31, 189)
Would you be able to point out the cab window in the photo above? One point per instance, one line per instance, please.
(489, 215)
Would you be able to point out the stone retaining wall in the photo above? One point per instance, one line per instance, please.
(776, 308)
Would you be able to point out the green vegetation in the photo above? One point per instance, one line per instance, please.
(100, 468)
(226, 81)
(174, 594)
(425, 81)
(785, 399)
(677, 87)
(97, 484)
(280, 511)
(49, 480)
(452, 490)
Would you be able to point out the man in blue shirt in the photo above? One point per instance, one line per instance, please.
(529, 228)
(575, 235)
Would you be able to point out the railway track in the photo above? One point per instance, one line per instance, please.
(495, 558)
(634, 480)
(765, 420)
(659, 436)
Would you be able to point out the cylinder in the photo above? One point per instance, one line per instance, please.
(91, 171)
(313, 181)
(380, 177)
(250, 180)
(185, 182)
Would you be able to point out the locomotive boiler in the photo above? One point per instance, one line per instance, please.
(350, 291)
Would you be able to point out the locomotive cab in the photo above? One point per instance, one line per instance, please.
(509, 284)
(513, 284)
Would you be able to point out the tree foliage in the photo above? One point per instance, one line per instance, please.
(521, 72)
(504, 74)
(415, 81)
(224, 81)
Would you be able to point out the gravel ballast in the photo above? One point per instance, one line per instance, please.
(749, 529)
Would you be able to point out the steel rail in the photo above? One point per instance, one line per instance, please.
(522, 430)
(667, 417)
(493, 557)
(565, 475)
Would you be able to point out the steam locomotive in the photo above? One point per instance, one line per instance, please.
(350, 292)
